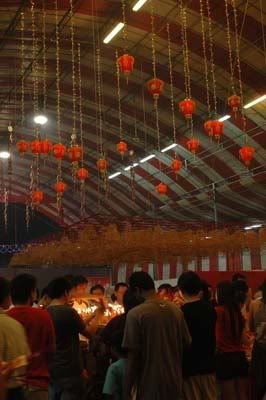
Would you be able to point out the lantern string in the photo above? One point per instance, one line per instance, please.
(229, 44)
(82, 185)
(22, 51)
(171, 82)
(123, 4)
(99, 91)
(144, 110)
(44, 55)
(237, 50)
(119, 96)
(5, 209)
(212, 65)
(206, 72)
(72, 34)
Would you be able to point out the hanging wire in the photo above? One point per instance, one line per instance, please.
(229, 44)
(82, 187)
(5, 209)
(72, 34)
(210, 34)
(123, 4)
(22, 54)
(171, 82)
(44, 55)
(206, 72)
(119, 96)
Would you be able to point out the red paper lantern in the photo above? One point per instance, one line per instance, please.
(37, 197)
(102, 165)
(234, 102)
(187, 107)
(75, 153)
(176, 166)
(193, 145)
(36, 147)
(46, 146)
(22, 147)
(246, 154)
(60, 187)
(126, 64)
(155, 87)
(208, 127)
(82, 174)
(121, 148)
(59, 151)
(217, 129)
(161, 189)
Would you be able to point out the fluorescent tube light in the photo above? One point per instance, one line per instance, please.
(113, 32)
(147, 158)
(224, 118)
(4, 154)
(171, 146)
(114, 175)
(248, 228)
(256, 101)
(138, 5)
(40, 119)
(131, 166)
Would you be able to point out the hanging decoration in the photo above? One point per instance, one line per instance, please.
(6, 209)
(121, 146)
(58, 149)
(102, 166)
(37, 197)
(161, 189)
(60, 188)
(36, 147)
(155, 87)
(82, 175)
(176, 166)
(101, 163)
(126, 62)
(206, 69)
(246, 154)
(187, 107)
(75, 154)
(46, 147)
(22, 147)
(193, 145)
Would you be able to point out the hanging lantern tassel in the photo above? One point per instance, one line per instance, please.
(176, 166)
(246, 154)
(102, 166)
(234, 102)
(60, 188)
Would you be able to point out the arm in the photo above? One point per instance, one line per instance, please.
(133, 366)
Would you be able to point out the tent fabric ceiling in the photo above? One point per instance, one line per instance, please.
(240, 194)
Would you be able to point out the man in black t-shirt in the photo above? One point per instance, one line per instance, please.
(65, 366)
(199, 359)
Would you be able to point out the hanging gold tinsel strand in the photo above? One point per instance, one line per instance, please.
(72, 33)
(22, 28)
(5, 209)
(171, 82)
(44, 55)
(210, 34)
(206, 72)
(82, 188)
(229, 44)
(119, 97)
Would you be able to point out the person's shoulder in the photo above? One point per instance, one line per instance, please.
(220, 310)
(8, 321)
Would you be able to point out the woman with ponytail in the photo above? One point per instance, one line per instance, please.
(257, 324)
(231, 363)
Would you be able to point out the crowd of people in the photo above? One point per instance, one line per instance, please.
(185, 343)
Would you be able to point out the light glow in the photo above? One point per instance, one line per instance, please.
(138, 5)
(256, 101)
(147, 158)
(40, 119)
(248, 228)
(114, 175)
(131, 166)
(4, 155)
(224, 118)
(171, 146)
(113, 32)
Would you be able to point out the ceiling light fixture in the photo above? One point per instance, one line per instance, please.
(4, 154)
(114, 175)
(147, 158)
(256, 101)
(171, 146)
(248, 228)
(131, 166)
(40, 119)
(113, 32)
(224, 118)
(138, 5)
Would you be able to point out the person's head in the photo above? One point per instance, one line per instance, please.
(227, 297)
(116, 341)
(79, 286)
(263, 291)
(5, 298)
(189, 284)
(142, 284)
(206, 291)
(120, 289)
(239, 277)
(59, 289)
(165, 291)
(24, 289)
(130, 300)
(97, 290)
(241, 290)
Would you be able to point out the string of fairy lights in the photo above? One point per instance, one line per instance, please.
(75, 150)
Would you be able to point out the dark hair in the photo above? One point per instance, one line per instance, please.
(189, 282)
(238, 277)
(263, 289)
(22, 287)
(116, 341)
(4, 289)
(78, 280)
(141, 280)
(206, 290)
(240, 289)
(119, 285)
(130, 300)
(167, 287)
(97, 287)
(227, 298)
(58, 287)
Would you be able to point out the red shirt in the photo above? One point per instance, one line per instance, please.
(225, 341)
(41, 337)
